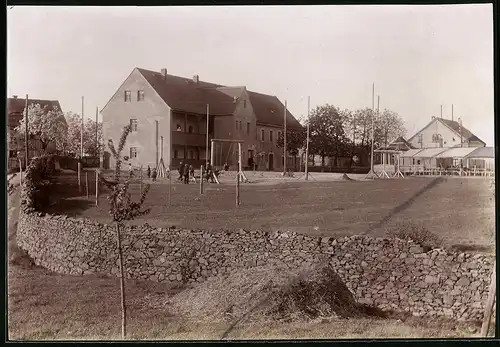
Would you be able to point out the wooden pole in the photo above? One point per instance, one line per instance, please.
(201, 180)
(26, 134)
(96, 187)
(81, 133)
(156, 138)
(488, 310)
(441, 111)
(237, 189)
(97, 152)
(240, 165)
(284, 141)
(122, 282)
(79, 176)
(87, 183)
(373, 128)
(206, 140)
(307, 139)
(212, 154)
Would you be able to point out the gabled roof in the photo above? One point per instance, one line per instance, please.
(15, 108)
(467, 135)
(456, 152)
(269, 110)
(184, 95)
(399, 144)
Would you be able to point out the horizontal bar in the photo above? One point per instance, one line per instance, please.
(225, 140)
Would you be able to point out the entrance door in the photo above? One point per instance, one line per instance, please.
(271, 162)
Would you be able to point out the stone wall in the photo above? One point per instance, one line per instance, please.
(388, 273)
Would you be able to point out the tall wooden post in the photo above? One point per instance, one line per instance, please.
(87, 183)
(237, 189)
(284, 141)
(20, 173)
(212, 154)
(97, 132)
(373, 129)
(201, 180)
(81, 134)
(79, 177)
(307, 139)
(240, 166)
(96, 187)
(206, 141)
(26, 134)
(156, 141)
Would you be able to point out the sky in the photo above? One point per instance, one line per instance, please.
(419, 57)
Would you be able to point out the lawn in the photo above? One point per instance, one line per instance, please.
(44, 306)
(459, 210)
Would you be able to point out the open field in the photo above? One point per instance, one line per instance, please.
(459, 210)
(46, 306)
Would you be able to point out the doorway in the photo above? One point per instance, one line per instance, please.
(271, 162)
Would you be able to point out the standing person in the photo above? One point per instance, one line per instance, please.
(208, 171)
(186, 174)
(154, 175)
(149, 171)
(191, 171)
(181, 170)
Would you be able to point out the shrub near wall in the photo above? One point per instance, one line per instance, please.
(389, 273)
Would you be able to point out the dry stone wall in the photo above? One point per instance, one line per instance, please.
(388, 273)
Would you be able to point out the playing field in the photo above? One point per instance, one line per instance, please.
(459, 210)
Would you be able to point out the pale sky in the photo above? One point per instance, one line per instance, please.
(419, 57)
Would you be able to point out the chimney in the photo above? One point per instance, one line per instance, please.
(452, 112)
(164, 73)
(196, 78)
(14, 96)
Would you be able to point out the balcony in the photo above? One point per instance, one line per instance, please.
(189, 139)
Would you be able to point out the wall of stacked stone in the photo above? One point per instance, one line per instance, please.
(387, 273)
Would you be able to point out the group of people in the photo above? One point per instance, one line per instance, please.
(185, 172)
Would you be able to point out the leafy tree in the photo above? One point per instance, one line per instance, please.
(89, 129)
(45, 125)
(389, 126)
(327, 133)
(295, 140)
(122, 208)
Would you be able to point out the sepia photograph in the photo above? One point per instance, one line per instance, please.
(228, 173)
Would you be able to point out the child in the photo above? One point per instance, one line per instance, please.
(186, 174)
(181, 170)
(149, 172)
(154, 175)
(191, 171)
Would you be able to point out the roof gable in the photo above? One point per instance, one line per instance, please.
(466, 133)
(15, 108)
(269, 110)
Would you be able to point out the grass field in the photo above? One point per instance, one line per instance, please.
(459, 210)
(45, 306)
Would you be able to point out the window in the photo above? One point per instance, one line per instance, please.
(271, 135)
(128, 95)
(190, 154)
(237, 125)
(436, 137)
(133, 124)
(179, 127)
(133, 152)
(176, 154)
(262, 135)
(244, 104)
(140, 95)
(248, 128)
(190, 130)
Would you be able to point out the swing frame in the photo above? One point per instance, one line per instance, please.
(240, 174)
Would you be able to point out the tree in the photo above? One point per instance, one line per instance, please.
(89, 130)
(389, 126)
(295, 140)
(327, 133)
(45, 125)
(122, 208)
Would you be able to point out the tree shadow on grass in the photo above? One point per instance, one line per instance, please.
(69, 207)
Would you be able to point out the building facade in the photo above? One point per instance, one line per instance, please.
(445, 133)
(168, 117)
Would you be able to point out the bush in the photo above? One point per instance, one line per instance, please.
(36, 183)
(416, 232)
